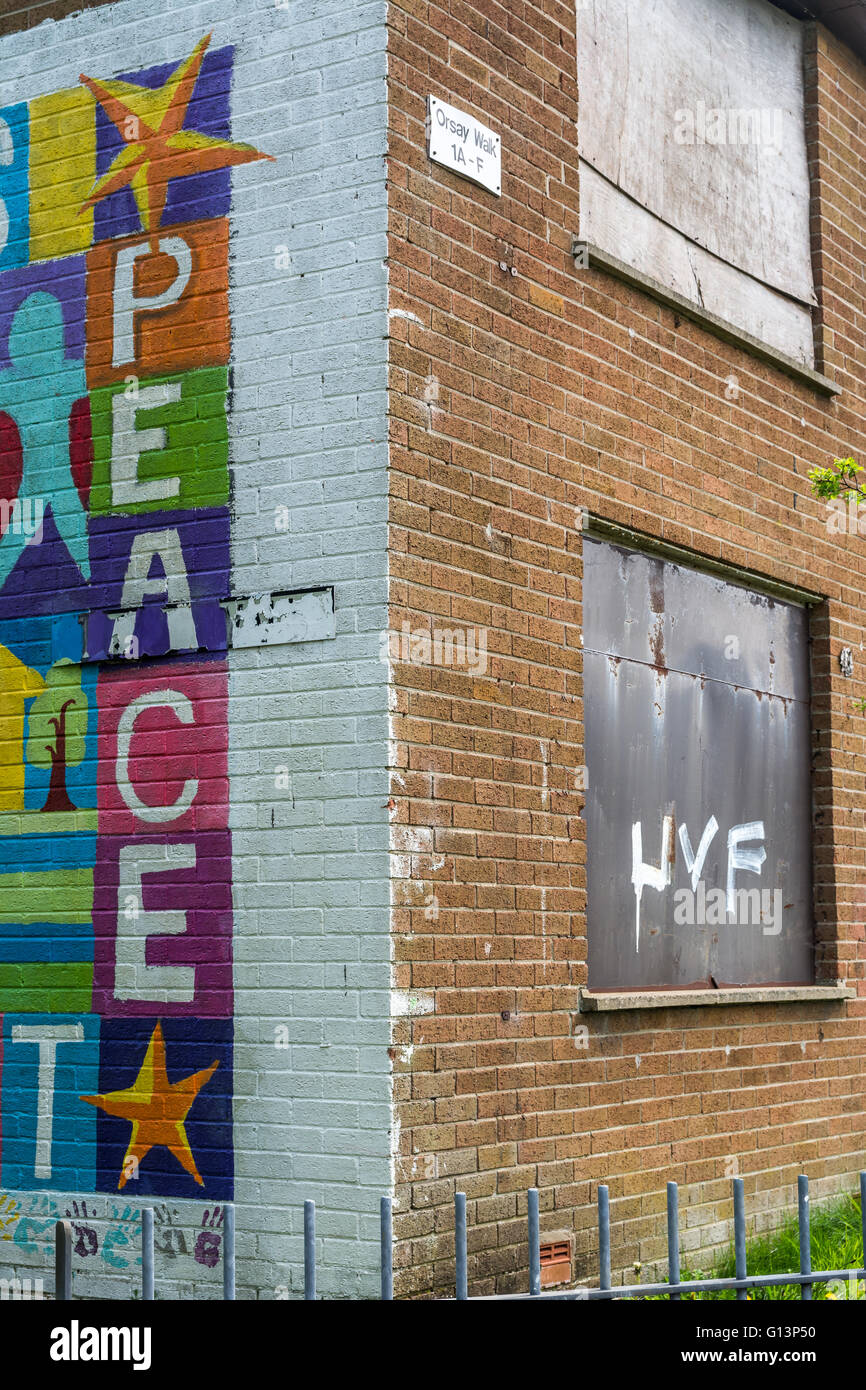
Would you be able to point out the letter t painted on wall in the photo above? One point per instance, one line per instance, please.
(47, 1037)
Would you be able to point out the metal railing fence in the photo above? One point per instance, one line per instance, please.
(605, 1290)
(675, 1287)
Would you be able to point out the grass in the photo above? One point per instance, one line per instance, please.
(836, 1241)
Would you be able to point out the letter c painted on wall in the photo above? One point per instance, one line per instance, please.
(153, 699)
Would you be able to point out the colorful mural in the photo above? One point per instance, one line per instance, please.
(115, 851)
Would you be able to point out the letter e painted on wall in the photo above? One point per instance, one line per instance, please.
(162, 920)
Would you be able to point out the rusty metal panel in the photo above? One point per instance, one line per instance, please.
(696, 708)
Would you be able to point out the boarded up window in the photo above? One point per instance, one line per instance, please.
(693, 156)
(696, 708)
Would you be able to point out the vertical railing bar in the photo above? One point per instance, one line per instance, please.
(534, 1242)
(309, 1250)
(603, 1237)
(386, 1249)
(229, 1251)
(740, 1265)
(461, 1272)
(63, 1261)
(147, 1254)
(803, 1226)
(673, 1237)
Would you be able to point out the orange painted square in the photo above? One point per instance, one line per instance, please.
(193, 332)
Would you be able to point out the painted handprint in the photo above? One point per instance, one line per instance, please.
(207, 1246)
(10, 1211)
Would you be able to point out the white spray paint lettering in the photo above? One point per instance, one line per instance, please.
(750, 860)
(695, 862)
(741, 858)
(647, 875)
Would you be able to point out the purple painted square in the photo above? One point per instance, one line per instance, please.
(191, 1045)
(195, 196)
(203, 893)
(45, 579)
(204, 544)
(65, 279)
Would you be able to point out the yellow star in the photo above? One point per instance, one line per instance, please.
(157, 1109)
(157, 148)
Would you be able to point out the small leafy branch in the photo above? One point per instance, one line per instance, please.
(839, 481)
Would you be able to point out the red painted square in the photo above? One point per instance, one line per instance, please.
(163, 748)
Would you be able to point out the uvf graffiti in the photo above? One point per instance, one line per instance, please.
(115, 851)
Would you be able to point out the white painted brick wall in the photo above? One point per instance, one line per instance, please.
(307, 429)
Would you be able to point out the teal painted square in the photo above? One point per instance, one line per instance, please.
(14, 186)
(70, 1157)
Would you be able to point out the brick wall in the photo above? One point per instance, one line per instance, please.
(25, 14)
(515, 400)
(291, 762)
(521, 391)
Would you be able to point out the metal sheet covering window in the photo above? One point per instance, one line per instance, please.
(696, 707)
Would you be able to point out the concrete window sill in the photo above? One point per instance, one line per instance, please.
(601, 260)
(610, 1001)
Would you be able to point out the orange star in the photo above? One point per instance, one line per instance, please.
(157, 1109)
(157, 148)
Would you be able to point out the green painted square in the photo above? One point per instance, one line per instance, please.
(42, 987)
(196, 443)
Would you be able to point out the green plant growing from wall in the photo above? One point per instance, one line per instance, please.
(57, 729)
(842, 480)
